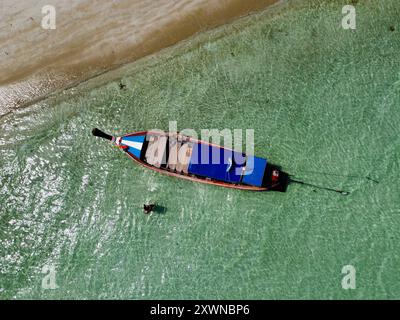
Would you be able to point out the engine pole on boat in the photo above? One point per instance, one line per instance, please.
(98, 133)
(342, 192)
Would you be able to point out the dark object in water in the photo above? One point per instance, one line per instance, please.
(147, 208)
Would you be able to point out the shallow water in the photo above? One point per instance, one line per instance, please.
(323, 103)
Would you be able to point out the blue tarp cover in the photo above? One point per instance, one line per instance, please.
(255, 168)
(213, 162)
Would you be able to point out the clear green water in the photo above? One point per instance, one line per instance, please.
(320, 98)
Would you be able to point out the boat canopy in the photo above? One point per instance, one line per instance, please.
(216, 163)
(255, 169)
(155, 153)
(226, 165)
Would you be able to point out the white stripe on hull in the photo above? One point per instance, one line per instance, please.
(133, 144)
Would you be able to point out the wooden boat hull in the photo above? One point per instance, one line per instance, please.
(140, 147)
(196, 179)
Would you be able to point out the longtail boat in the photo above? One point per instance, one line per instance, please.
(191, 159)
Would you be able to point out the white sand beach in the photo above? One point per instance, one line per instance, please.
(94, 36)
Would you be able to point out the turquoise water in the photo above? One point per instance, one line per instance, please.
(324, 104)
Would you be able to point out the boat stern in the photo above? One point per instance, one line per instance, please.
(275, 179)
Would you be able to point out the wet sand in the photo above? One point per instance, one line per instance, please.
(92, 37)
